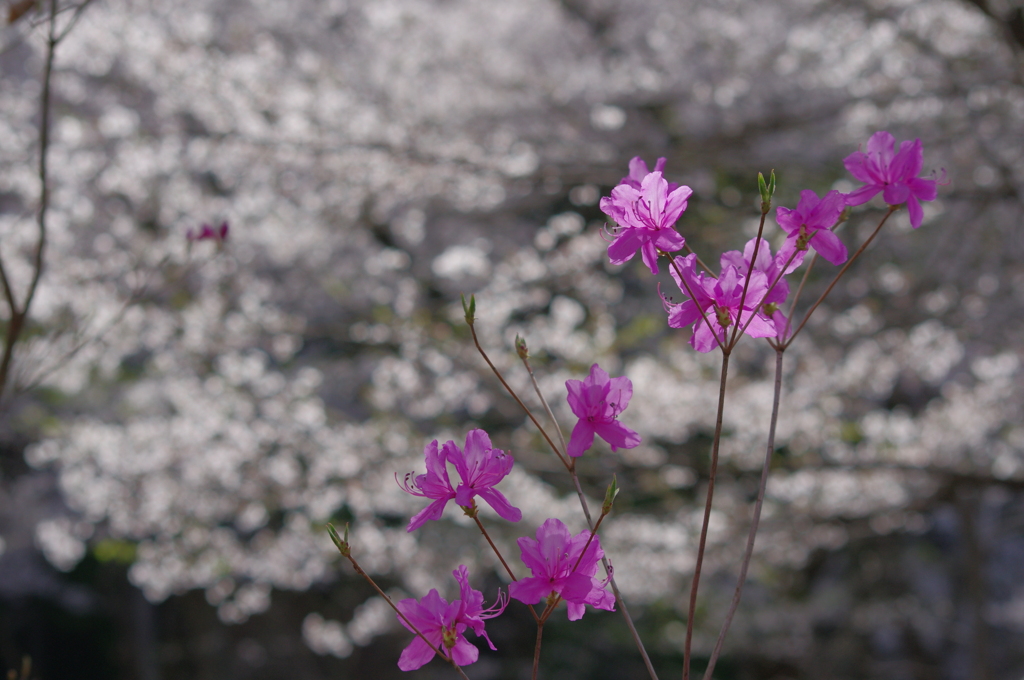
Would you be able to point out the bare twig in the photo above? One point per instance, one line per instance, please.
(359, 570)
(759, 305)
(707, 518)
(74, 19)
(19, 315)
(849, 263)
(512, 392)
(703, 315)
(754, 523)
(579, 492)
(536, 648)
(700, 262)
(508, 569)
(796, 297)
(544, 402)
(736, 332)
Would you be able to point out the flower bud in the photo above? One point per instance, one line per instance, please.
(521, 349)
(469, 309)
(609, 496)
(339, 543)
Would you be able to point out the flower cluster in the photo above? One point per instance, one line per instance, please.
(743, 299)
(750, 287)
(563, 566)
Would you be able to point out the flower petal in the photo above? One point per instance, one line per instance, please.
(431, 512)
(530, 590)
(624, 247)
(501, 505)
(828, 246)
(464, 652)
(915, 212)
(416, 655)
(617, 435)
(582, 438)
(863, 195)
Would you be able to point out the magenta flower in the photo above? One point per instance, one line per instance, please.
(473, 611)
(480, 468)
(638, 170)
(553, 560)
(597, 401)
(771, 266)
(810, 224)
(773, 270)
(208, 233)
(645, 207)
(719, 299)
(443, 624)
(893, 174)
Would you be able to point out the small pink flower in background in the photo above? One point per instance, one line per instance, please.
(645, 207)
(443, 624)
(810, 224)
(772, 267)
(895, 173)
(719, 299)
(597, 401)
(208, 233)
(552, 558)
(479, 466)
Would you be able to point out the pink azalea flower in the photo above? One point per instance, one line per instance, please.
(443, 624)
(597, 401)
(638, 170)
(480, 467)
(208, 233)
(719, 299)
(645, 207)
(895, 174)
(552, 558)
(810, 224)
(773, 269)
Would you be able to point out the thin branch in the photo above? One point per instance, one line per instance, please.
(536, 648)
(849, 263)
(583, 503)
(754, 523)
(502, 559)
(74, 19)
(544, 402)
(707, 517)
(512, 392)
(736, 332)
(19, 316)
(620, 603)
(693, 297)
(414, 629)
(799, 290)
(8, 293)
(759, 305)
(699, 261)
